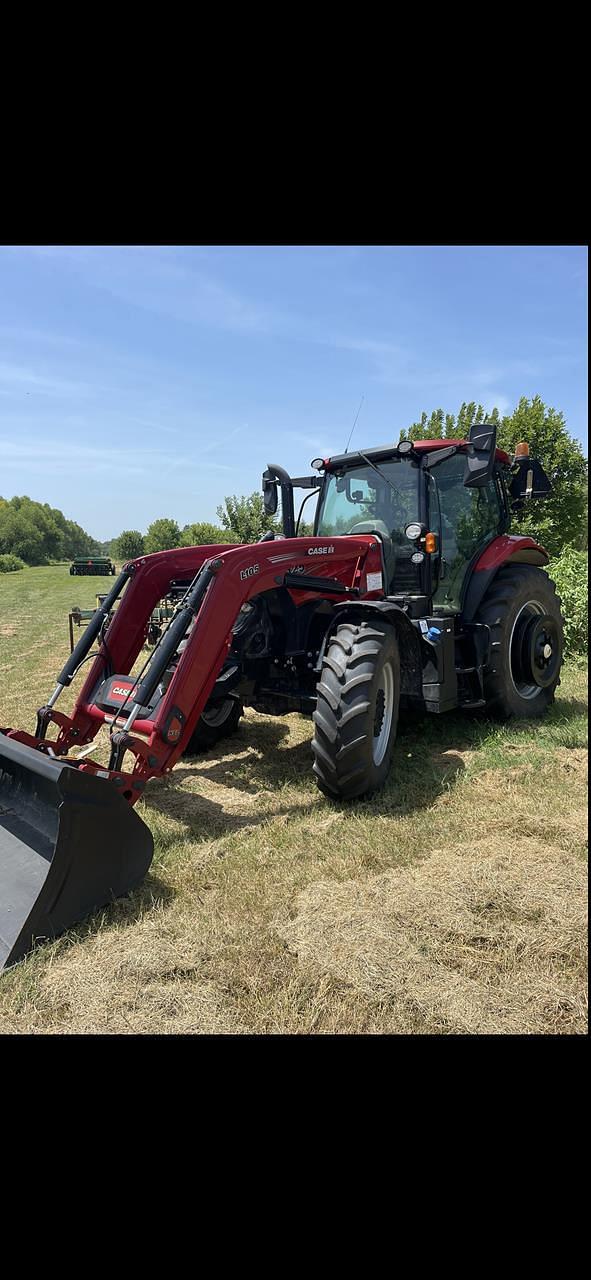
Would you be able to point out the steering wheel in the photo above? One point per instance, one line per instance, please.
(368, 526)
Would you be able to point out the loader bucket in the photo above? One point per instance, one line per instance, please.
(69, 844)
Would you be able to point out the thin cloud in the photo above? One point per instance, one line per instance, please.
(63, 454)
(156, 281)
(16, 378)
(396, 365)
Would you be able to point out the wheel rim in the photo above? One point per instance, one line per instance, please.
(383, 714)
(534, 650)
(218, 714)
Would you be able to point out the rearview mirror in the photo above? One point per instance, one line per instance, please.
(480, 458)
(270, 497)
(529, 481)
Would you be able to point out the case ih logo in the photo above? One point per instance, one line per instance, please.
(250, 572)
(120, 691)
(320, 551)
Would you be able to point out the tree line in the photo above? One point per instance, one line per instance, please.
(241, 519)
(39, 533)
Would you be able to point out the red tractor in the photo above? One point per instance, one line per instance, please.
(412, 593)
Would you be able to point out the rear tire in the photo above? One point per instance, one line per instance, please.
(522, 610)
(356, 712)
(218, 721)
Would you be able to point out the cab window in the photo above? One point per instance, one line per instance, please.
(469, 519)
(361, 495)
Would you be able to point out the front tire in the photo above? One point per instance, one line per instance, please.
(217, 721)
(522, 610)
(356, 712)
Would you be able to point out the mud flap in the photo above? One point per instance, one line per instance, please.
(69, 844)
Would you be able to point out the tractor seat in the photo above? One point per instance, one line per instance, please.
(388, 553)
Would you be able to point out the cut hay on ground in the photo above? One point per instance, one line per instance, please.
(453, 901)
(484, 941)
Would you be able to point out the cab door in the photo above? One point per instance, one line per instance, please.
(470, 518)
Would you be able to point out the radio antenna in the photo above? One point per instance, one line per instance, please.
(354, 424)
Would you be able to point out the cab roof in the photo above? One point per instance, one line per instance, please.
(379, 453)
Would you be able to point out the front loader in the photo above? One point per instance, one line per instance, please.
(411, 593)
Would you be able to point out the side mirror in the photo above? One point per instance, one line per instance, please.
(480, 458)
(529, 481)
(270, 497)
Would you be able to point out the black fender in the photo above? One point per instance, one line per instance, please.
(411, 668)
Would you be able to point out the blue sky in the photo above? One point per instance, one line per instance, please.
(139, 381)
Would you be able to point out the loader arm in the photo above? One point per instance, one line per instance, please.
(70, 841)
(224, 578)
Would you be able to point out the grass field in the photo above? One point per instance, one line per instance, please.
(455, 901)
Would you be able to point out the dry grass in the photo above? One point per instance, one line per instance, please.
(454, 902)
(471, 940)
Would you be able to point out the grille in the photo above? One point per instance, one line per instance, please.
(406, 580)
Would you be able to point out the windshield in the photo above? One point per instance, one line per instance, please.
(360, 497)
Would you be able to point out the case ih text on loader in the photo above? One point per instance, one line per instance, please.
(412, 592)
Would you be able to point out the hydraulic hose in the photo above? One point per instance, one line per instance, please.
(89, 636)
(175, 632)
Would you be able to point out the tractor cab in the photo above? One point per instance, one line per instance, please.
(433, 504)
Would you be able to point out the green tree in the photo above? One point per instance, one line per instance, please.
(130, 544)
(40, 516)
(570, 572)
(76, 542)
(108, 548)
(245, 517)
(203, 534)
(446, 426)
(11, 564)
(582, 542)
(41, 532)
(19, 536)
(558, 521)
(162, 535)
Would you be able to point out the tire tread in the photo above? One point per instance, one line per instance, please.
(344, 701)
